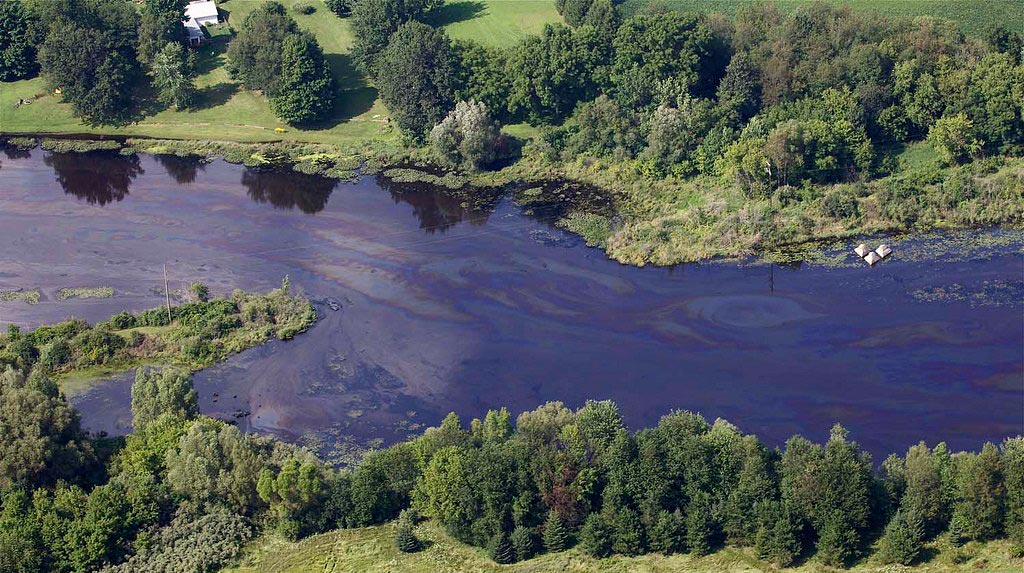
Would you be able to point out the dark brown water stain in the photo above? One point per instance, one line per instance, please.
(455, 305)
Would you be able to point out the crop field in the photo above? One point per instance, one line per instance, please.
(974, 16)
(372, 550)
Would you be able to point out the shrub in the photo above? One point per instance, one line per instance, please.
(840, 203)
(467, 136)
(953, 139)
(198, 544)
(306, 9)
(123, 320)
(55, 355)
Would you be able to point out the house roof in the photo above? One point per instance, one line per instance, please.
(201, 10)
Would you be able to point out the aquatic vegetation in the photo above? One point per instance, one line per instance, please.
(595, 229)
(84, 292)
(79, 145)
(194, 334)
(28, 296)
(407, 175)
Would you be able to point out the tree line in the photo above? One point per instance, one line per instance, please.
(766, 99)
(186, 492)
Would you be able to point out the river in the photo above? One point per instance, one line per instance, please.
(448, 308)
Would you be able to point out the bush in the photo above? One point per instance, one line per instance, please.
(123, 320)
(467, 136)
(306, 9)
(198, 544)
(55, 355)
(840, 203)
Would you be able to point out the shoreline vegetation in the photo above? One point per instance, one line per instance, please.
(553, 488)
(197, 334)
(661, 222)
(722, 130)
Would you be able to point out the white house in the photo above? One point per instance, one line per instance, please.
(198, 14)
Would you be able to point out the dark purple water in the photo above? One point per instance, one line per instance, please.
(447, 308)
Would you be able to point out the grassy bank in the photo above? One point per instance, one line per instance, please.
(372, 549)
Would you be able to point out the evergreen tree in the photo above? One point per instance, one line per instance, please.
(556, 537)
(501, 550)
(405, 537)
(523, 543)
(1013, 476)
(173, 76)
(596, 536)
(837, 540)
(923, 495)
(903, 538)
(739, 92)
(305, 91)
(628, 537)
(982, 495)
(700, 527)
(668, 535)
(416, 78)
(778, 534)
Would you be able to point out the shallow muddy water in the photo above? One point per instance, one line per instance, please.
(448, 308)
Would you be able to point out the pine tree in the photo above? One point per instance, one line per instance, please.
(596, 536)
(1013, 476)
(501, 550)
(699, 525)
(305, 91)
(405, 538)
(668, 535)
(903, 538)
(523, 543)
(778, 536)
(628, 538)
(556, 537)
(837, 540)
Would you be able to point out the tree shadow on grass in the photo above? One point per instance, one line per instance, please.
(215, 95)
(453, 12)
(353, 96)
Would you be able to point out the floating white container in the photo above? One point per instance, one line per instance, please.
(872, 258)
(883, 251)
(862, 250)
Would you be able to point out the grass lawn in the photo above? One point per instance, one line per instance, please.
(499, 23)
(372, 550)
(974, 16)
(229, 113)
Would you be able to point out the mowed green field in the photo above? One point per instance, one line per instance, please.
(372, 550)
(975, 17)
(498, 23)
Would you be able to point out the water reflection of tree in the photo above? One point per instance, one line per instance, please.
(436, 209)
(99, 178)
(288, 189)
(13, 152)
(182, 169)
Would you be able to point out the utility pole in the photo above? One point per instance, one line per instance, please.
(167, 295)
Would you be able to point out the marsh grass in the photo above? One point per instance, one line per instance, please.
(27, 296)
(84, 292)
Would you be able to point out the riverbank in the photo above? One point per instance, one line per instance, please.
(637, 220)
